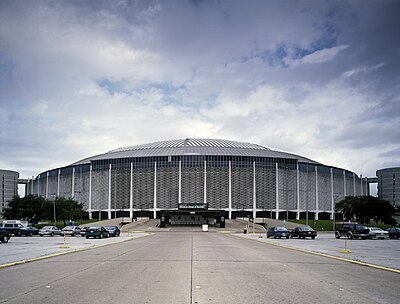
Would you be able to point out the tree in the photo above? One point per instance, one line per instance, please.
(30, 208)
(34, 208)
(68, 209)
(366, 208)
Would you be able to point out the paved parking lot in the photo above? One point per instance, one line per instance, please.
(384, 253)
(25, 248)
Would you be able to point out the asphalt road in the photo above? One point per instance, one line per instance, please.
(195, 267)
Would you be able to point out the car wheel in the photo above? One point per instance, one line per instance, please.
(4, 239)
(41, 235)
(287, 237)
(313, 237)
(363, 238)
(51, 234)
(87, 236)
(337, 235)
(349, 236)
(101, 236)
(30, 234)
(274, 236)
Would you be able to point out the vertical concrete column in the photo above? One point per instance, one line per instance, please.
(90, 191)
(131, 194)
(109, 192)
(180, 183)
(73, 183)
(254, 192)
(155, 191)
(230, 190)
(47, 185)
(344, 183)
(276, 192)
(33, 178)
(316, 194)
(297, 192)
(332, 197)
(38, 187)
(361, 185)
(205, 182)
(354, 184)
(58, 182)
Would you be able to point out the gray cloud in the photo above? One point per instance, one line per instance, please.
(316, 78)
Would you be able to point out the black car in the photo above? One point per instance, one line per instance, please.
(4, 235)
(278, 232)
(303, 232)
(352, 231)
(113, 230)
(96, 232)
(28, 231)
(394, 233)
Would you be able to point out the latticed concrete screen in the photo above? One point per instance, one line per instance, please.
(227, 175)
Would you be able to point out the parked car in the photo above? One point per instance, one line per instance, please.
(4, 235)
(71, 230)
(303, 232)
(12, 228)
(113, 230)
(83, 231)
(28, 231)
(394, 233)
(49, 230)
(352, 231)
(96, 232)
(377, 233)
(278, 232)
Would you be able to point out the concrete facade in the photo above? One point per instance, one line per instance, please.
(389, 185)
(242, 179)
(8, 187)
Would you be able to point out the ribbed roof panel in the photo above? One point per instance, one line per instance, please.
(193, 146)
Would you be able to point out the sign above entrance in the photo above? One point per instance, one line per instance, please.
(193, 206)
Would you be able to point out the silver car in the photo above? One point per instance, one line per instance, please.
(377, 233)
(50, 231)
(71, 230)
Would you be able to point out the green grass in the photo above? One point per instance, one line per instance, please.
(327, 225)
(320, 225)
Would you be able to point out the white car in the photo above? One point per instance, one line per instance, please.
(377, 233)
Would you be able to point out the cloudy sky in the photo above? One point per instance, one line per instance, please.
(316, 78)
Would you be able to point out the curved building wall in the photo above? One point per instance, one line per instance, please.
(259, 186)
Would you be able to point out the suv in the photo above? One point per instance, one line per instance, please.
(352, 231)
(12, 228)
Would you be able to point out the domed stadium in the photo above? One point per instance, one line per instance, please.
(192, 180)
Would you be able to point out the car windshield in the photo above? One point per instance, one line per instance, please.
(68, 228)
(281, 229)
(375, 228)
(46, 227)
(306, 229)
(360, 227)
(110, 228)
